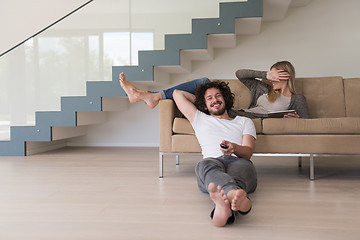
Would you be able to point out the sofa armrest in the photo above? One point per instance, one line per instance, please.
(167, 110)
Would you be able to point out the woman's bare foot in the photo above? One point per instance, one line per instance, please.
(151, 99)
(129, 89)
(222, 205)
(137, 95)
(239, 200)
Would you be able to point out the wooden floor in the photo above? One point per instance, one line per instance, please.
(115, 193)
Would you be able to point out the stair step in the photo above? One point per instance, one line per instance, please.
(55, 118)
(247, 26)
(202, 27)
(12, 148)
(59, 133)
(105, 88)
(81, 104)
(185, 41)
(30, 133)
(90, 118)
(39, 147)
(183, 67)
(223, 40)
(110, 104)
(161, 76)
(253, 8)
(275, 10)
(133, 73)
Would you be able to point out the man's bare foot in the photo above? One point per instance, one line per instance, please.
(222, 209)
(239, 200)
(137, 95)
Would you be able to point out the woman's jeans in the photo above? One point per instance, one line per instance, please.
(187, 87)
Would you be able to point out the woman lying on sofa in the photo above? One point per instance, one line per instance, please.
(275, 92)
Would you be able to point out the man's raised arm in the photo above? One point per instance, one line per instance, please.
(185, 103)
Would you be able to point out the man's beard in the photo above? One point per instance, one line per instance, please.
(217, 112)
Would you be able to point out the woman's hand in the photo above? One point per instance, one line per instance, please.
(291, 115)
(277, 75)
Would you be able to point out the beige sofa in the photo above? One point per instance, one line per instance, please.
(333, 127)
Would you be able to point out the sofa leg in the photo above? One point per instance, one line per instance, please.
(177, 159)
(299, 162)
(161, 161)
(312, 170)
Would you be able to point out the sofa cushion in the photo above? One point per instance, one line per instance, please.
(352, 96)
(184, 143)
(183, 126)
(241, 92)
(323, 143)
(311, 126)
(324, 96)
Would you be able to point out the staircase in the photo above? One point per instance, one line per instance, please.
(52, 128)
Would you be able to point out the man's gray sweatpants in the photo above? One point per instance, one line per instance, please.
(227, 171)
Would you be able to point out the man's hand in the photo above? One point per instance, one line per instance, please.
(229, 149)
(244, 151)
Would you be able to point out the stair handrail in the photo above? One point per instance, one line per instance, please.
(44, 29)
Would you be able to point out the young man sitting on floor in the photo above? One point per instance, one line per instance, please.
(226, 172)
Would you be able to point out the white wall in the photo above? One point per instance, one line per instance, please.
(320, 39)
(20, 19)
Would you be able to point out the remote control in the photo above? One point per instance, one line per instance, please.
(224, 146)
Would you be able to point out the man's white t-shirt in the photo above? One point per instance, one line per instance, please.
(211, 131)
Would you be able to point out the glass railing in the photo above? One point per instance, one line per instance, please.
(83, 47)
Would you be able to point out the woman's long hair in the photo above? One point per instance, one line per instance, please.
(289, 68)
